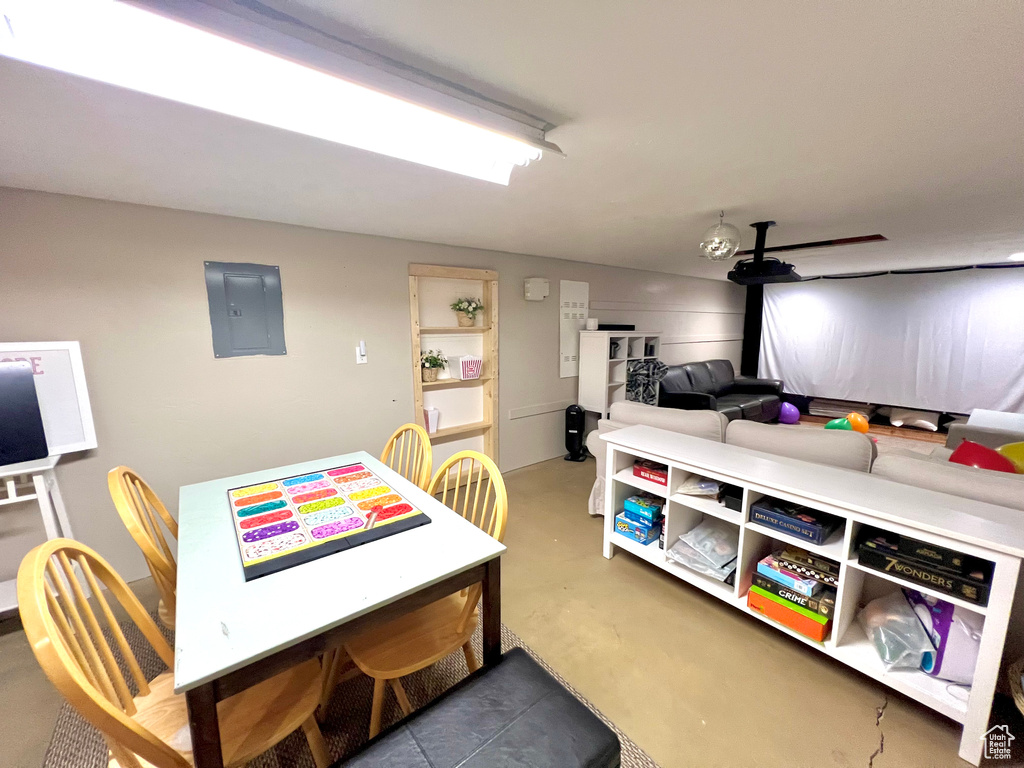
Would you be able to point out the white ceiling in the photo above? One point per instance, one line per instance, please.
(834, 119)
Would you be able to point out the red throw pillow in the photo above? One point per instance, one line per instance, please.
(974, 455)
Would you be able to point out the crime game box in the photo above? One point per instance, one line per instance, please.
(823, 603)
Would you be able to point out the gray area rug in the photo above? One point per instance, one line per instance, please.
(76, 744)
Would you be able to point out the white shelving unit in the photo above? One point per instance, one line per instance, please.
(982, 530)
(604, 356)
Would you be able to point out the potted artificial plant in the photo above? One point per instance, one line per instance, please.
(466, 311)
(431, 362)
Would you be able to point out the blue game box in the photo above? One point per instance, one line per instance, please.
(643, 533)
(644, 507)
(797, 520)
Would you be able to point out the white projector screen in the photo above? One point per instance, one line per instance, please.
(947, 341)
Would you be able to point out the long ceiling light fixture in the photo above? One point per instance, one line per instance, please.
(134, 48)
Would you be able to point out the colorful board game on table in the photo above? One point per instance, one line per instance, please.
(294, 520)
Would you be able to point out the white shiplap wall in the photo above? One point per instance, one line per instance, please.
(707, 328)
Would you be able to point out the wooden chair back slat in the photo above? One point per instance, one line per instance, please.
(118, 634)
(72, 647)
(409, 453)
(457, 484)
(67, 633)
(93, 667)
(146, 519)
(125, 759)
(470, 484)
(476, 496)
(107, 669)
(142, 512)
(488, 513)
(147, 495)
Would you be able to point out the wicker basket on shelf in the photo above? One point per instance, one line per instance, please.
(1014, 673)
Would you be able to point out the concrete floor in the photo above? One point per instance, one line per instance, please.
(692, 681)
(28, 703)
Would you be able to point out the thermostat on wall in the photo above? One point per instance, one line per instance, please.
(536, 288)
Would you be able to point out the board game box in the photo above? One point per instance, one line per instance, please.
(921, 573)
(644, 508)
(769, 568)
(651, 470)
(794, 565)
(286, 522)
(803, 557)
(823, 604)
(928, 554)
(807, 624)
(643, 532)
(795, 519)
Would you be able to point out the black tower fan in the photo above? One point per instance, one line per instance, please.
(575, 421)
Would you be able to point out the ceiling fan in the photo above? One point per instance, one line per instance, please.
(759, 270)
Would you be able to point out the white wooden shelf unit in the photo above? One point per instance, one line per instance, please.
(468, 408)
(604, 356)
(987, 531)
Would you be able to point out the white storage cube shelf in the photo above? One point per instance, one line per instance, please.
(604, 356)
(858, 584)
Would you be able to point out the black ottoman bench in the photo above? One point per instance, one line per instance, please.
(511, 714)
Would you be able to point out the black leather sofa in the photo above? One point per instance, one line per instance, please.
(713, 385)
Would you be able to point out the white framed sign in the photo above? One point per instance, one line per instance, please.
(59, 377)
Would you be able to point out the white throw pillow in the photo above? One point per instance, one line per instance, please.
(904, 417)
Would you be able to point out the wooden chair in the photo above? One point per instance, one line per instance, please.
(142, 513)
(150, 729)
(408, 452)
(470, 484)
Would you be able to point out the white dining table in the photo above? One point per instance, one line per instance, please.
(231, 634)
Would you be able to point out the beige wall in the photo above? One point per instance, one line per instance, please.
(127, 282)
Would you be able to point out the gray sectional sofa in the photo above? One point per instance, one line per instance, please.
(837, 448)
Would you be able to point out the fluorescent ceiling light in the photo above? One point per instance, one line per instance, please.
(143, 51)
(1016, 256)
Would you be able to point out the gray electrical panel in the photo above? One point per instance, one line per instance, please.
(246, 313)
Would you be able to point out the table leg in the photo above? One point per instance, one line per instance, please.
(202, 722)
(492, 611)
